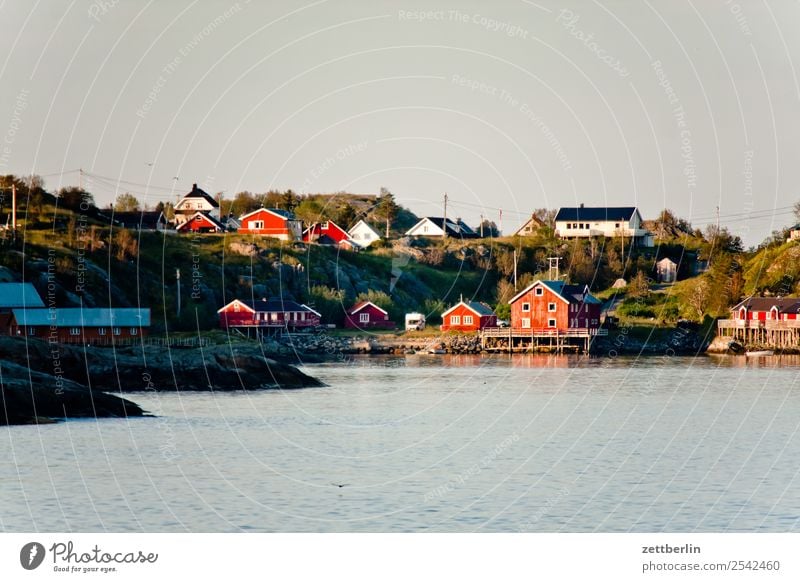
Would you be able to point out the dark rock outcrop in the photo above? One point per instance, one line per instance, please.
(235, 366)
(30, 397)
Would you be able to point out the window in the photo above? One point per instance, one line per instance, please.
(574, 225)
(324, 225)
(273, 316)
(551, 322)
(526, 322)
(74, 331)
(551, 307)
(363, 317)
(539, 291)
(133, 331)
(526, 307)
(455, 320)
(256, 224)
(616, 225)
(101, 331)
(236, 307)
(117, 331)
(569, 226)
(31, 331)
(467, 320)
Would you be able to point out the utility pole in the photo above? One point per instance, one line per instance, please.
(178, 280)
(80, 178)
(500, 224)
(13, 207)
(515, 270)
(481, 225)
(444, 220)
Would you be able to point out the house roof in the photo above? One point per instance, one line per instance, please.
(784, 304)
(667, 260)
(19, 295)
(457, 228)
(285, 214)
(599, 213)
(361, 305)
(84, 317)
(147, 219)
(366, 224)
(210, 219)
(568, 293)
(273, 304)
(200, 193)
(480, 309)
(533, 219)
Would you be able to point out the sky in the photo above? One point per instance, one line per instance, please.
(505, 106)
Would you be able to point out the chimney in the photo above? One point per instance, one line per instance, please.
(194, 187)
(581, 204)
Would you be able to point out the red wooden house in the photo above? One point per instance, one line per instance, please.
(200, 222)
(84, 325)
(325, 232)
(273, 313)
(468, 316)
(555, 306)
(367, 315)
(272, 222)
(767, 309)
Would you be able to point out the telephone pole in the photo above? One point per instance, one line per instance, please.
(481, 225)
(13, 207)
(178, 280)
(444, 220)
(515, 270)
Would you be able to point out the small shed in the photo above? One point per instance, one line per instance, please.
(367, 315)
(666, 270)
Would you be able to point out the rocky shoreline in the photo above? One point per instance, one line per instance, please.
(618, 342)
(43, 381)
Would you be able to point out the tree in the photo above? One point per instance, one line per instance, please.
(488, 228)
(546, 215)
(76, 199)
(127, 203)
(639, 286)
(127, 245)
(242, 203)
(386, 209)
(309, 210)
(345, 216)
(289, 201)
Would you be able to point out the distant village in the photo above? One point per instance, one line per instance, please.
(545, 313)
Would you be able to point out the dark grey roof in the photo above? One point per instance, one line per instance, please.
(19, 295)
(276, 304)
(145, 220)
(200, 193)
(479, 308)
(784, 304)
(285, 213)
(452, 227)
(596, 213)
(84, 317)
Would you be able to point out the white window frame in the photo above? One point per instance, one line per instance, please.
(74, 331)
(526, 307)
(552, 307)
(468, 320)
(134, 331)
(116, 331)
(363, 317)
(526, 323)
(539, 292)
(551, 322)
(101, 331)
(257, 224)
(455, 320)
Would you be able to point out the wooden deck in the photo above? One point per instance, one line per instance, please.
(761, 334)
(511, 340)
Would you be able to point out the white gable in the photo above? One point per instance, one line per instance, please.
(425, 227)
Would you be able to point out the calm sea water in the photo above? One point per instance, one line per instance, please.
(433, 443)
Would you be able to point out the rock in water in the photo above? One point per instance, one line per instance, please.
(30, 397)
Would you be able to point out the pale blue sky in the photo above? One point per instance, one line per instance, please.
(511, 105)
